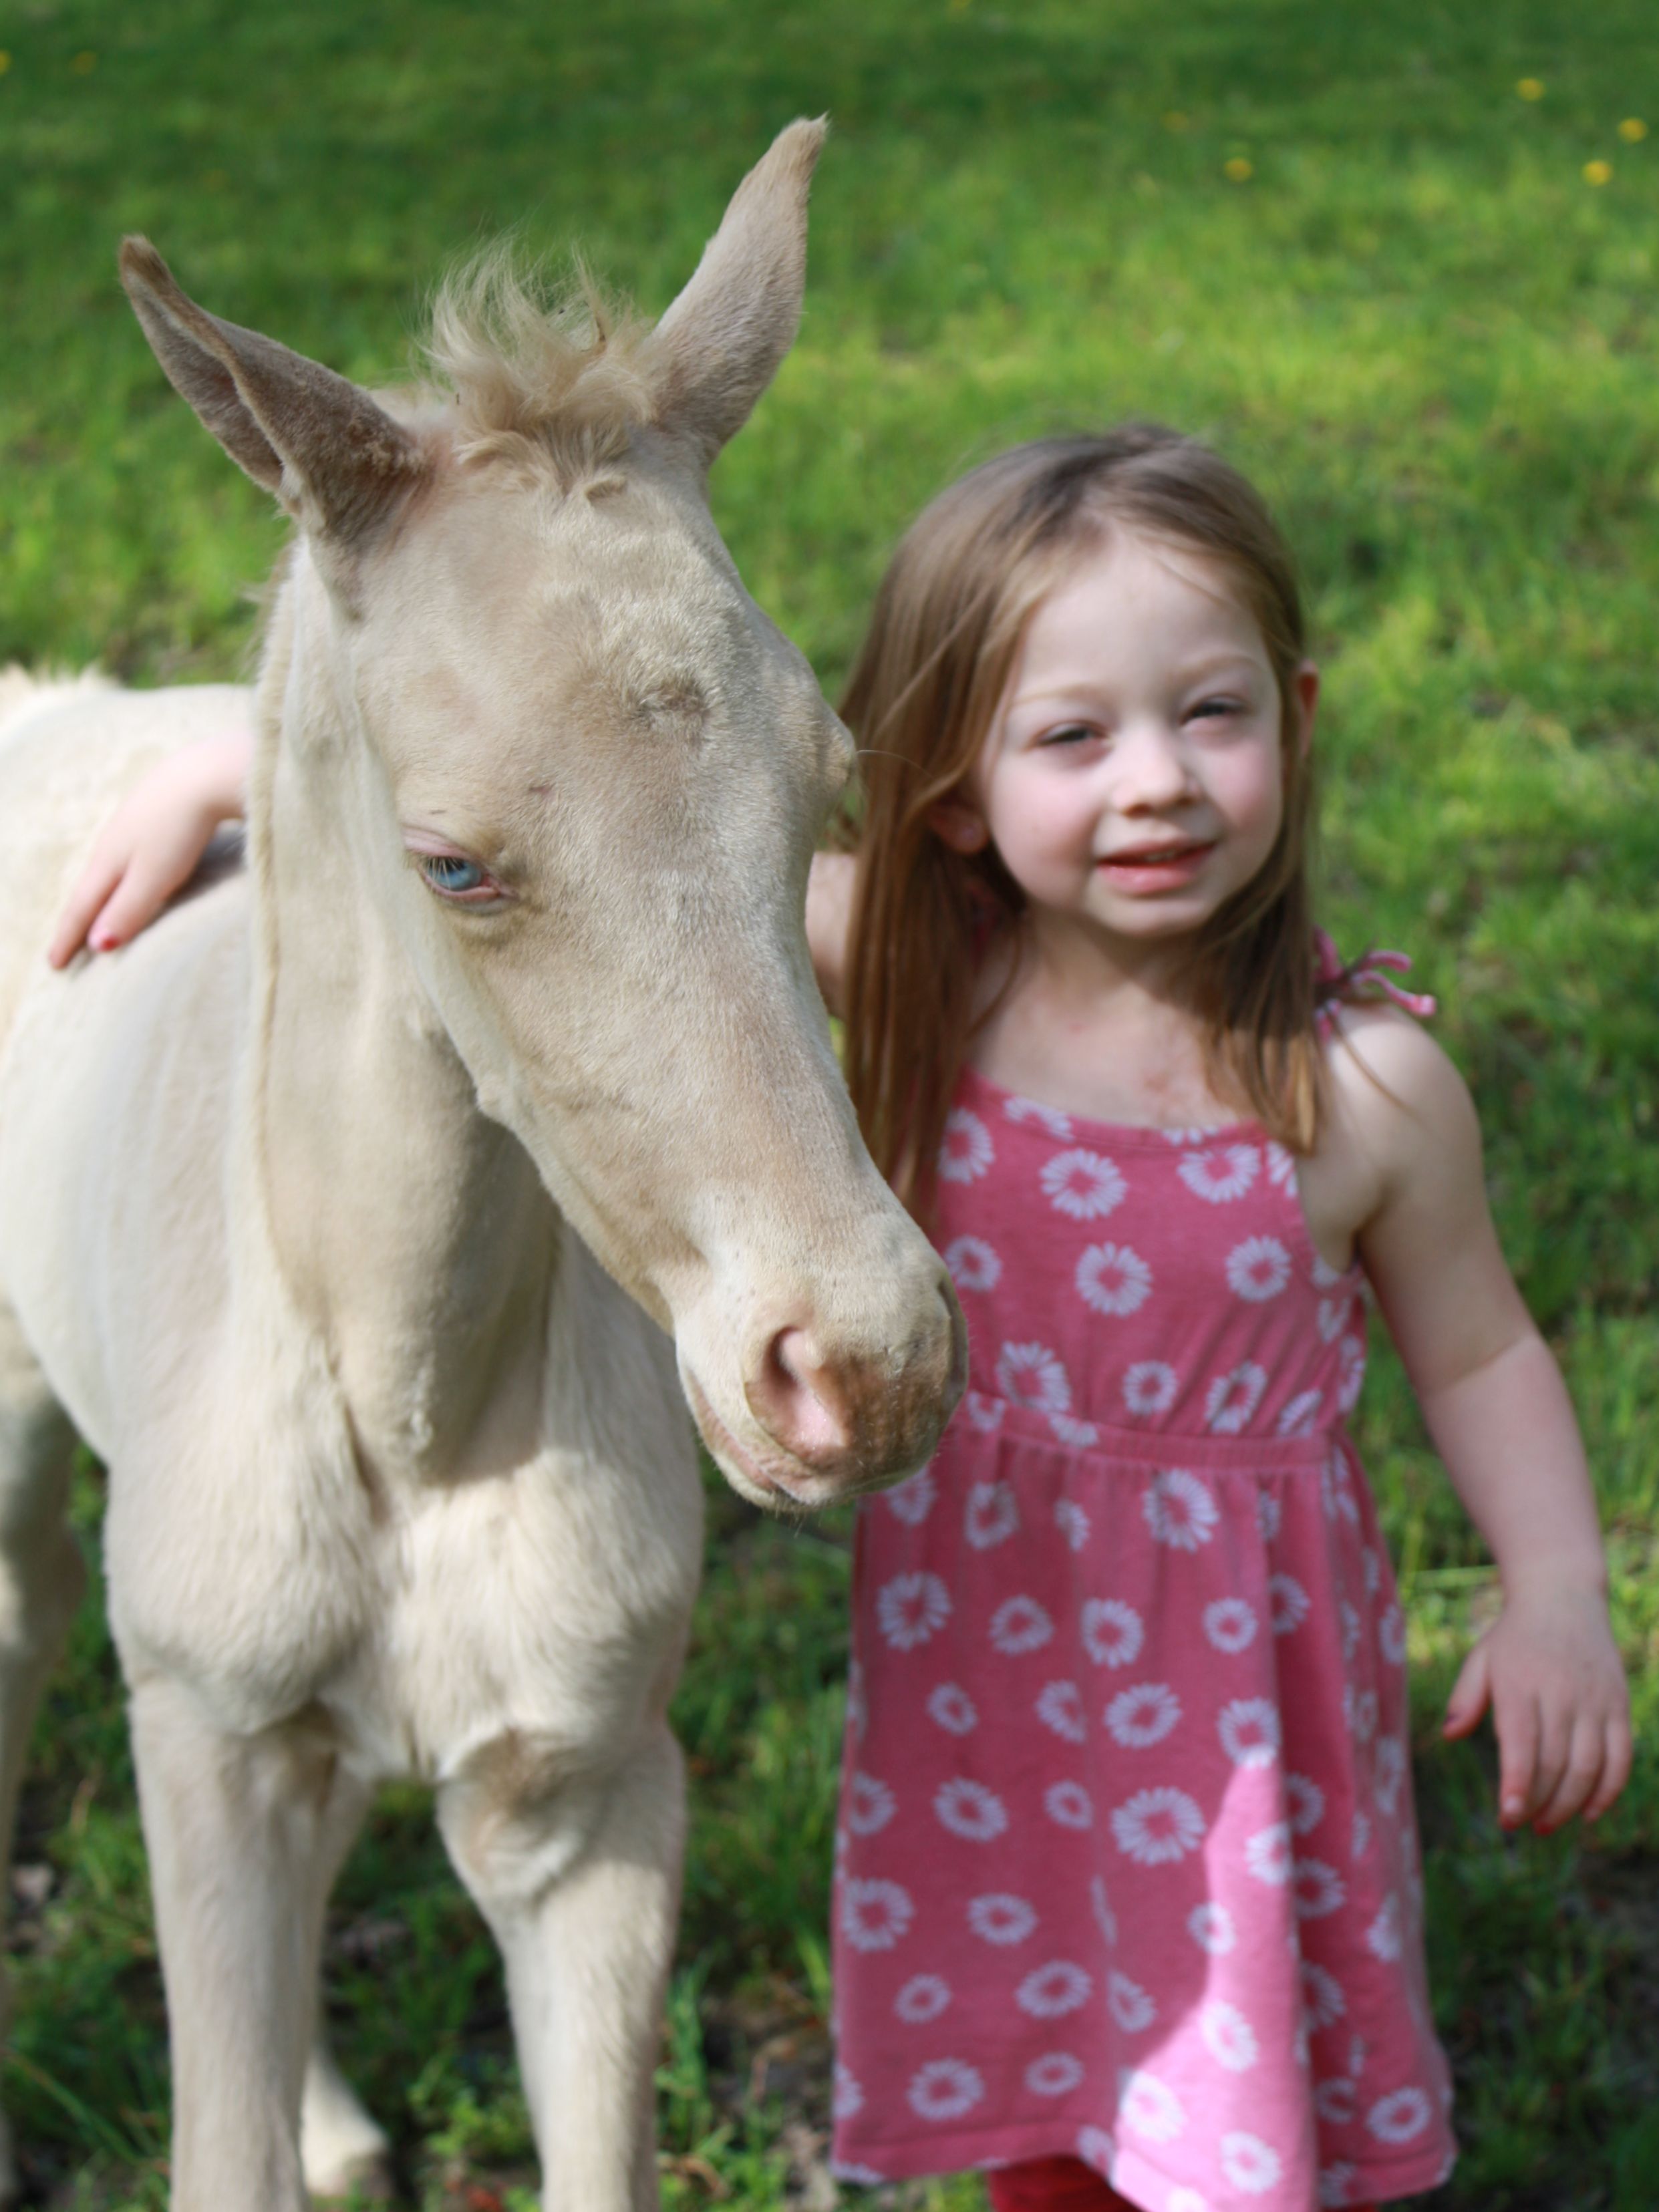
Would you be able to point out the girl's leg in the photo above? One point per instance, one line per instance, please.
(1052, 2185)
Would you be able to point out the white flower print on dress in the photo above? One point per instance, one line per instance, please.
(1143, 1716)
(983, 1413)
(1384, 1939)
(1348, 1619)
(1113, 1280)
(1112, 1631)
(1326, 1277)
(1371, 1569)
(991, 1517)
(1304, 1801)
(871, 1805)
(1223, 1173)
(1020, 1625)
(1228, 2036)
(913, 1500)
(1030, 1374)
(1157, 1826)
(1186, 2200)
(1069, 1430)
(1069, 1805)
(1232, 1399)
(1210, 1927)
(1359, 1709)
(1390, 1756)
(1337, 2184)
(1267, 1854)
(923, 1997)
(847, 2097)
(967, 1150)
(945, 2089)
(1299, 1417)
(1291, 1603)
(1361, 1834)
(1336, 1487)
(1322, 2002)
(1391, 1637)
(1258, 1269)
(1351, 1372)
(1055, 2075)
(1050, 1992)
(1100, 1906)
(1001, 1919)
(951, 1708)
(1058, 1125)
(1072, 1522)
(1128, 2003)
(970, 1810)
(1280, 1163)
(1269, 1515)
(911, 1609)
(1082, 1184)
(1148, 2105)
(1336, 2101)
(1150, 1387)
(974, 1265)
(1250, 1731)
(1249, 2164)
(861, 2176)
(1316, 1889)
(1399, 2118)
(1096, 2148)
(1230, 1624)
(874, 1914)
(1179, 1509)
(1059, 1706)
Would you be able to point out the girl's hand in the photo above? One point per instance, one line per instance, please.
(1551, 1671)
(150, 846)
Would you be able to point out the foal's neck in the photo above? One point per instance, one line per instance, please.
(414, 1235)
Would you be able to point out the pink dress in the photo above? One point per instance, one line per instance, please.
(1126, 1862)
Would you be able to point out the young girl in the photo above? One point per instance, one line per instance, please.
(1127, 1904)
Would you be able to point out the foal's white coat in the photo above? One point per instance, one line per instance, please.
(400, 1478)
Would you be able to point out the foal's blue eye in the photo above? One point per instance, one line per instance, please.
(447, 872)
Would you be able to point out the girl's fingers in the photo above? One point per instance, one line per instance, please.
(1469, 1693)
(1517, 1759)
(83, 906)
(1616, 1767)
(1580, 1777)
(1551, 1759)
(137, 898)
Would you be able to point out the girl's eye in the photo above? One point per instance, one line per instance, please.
(452, 877)
(1069, 734)
(1207, 709)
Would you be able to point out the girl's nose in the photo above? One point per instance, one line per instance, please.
(1152, 768)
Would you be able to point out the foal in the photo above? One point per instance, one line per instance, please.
(375, 1215)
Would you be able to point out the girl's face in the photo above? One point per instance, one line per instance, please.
(1132, 776)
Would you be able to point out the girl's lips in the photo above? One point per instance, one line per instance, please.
(1154, 869)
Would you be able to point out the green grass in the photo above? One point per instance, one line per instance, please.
(1434, 342)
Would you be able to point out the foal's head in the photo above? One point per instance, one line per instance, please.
(591, 773)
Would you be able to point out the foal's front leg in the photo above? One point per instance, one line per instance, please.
(580, 1882)
(243, 1840)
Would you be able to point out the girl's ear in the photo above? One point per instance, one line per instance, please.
(957, 823)
(1305, 690)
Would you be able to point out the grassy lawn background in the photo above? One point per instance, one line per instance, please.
(1334, 237)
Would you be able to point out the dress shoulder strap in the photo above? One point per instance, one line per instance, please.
(1338, 982)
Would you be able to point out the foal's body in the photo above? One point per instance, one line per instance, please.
(401, 1481)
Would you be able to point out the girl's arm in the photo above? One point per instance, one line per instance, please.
(828, 913)
(1498, 1413)
(151, 844)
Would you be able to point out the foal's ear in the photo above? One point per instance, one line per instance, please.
(720, 343)
(339, 463)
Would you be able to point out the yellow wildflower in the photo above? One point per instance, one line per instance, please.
(1597, 172)
(5, 61)
(1238, 169)
(83, 64)
(1530, 87)
(1632, 129)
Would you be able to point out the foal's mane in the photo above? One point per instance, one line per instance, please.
(533, 374)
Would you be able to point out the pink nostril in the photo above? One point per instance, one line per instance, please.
(798, 1399)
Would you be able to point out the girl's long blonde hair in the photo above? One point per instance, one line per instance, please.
(947, 626)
